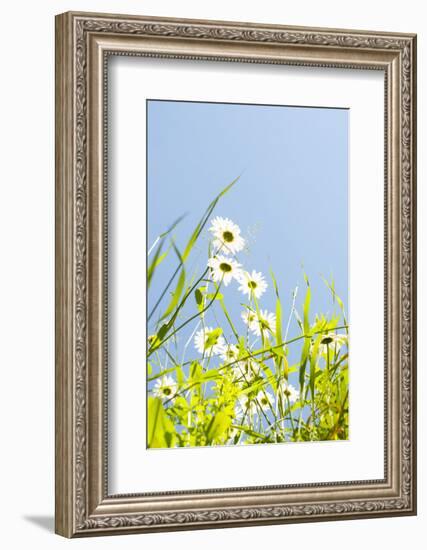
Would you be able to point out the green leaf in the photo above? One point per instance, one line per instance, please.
(197, 376)
(180, 377)
(195, 373)
(217, 426)
(162, 332)
(250, 432)
(161, 432)
(215, 296)
(199, 297)
(242, 348)
(213, 336)
(211, 374)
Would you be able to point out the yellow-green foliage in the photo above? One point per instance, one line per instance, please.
(241, 388)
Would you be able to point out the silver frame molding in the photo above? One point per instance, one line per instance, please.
(84, 42)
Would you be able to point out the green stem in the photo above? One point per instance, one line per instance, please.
(151, 350)
(290, 414)
(156, 305)
(272, 348)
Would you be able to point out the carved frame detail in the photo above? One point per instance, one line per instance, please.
(83, 506)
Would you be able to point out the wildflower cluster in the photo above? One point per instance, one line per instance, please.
(237, 389)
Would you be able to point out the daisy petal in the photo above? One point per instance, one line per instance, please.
(227, 235)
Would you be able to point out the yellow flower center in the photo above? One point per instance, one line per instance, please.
(228, 236)
(226, 268)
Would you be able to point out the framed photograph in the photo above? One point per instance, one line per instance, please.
(235, 274)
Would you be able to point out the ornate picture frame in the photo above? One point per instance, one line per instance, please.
(84, 43)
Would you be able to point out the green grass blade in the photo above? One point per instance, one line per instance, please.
(161, 432)
(157, 260)
(279, 324)
(154, 265)
(313, 362)
(199, 227)
(195, 235)
(217, 426)
(172, 227)
(162, 373)
(335, 297)
(164, 234)
(250, 432)
(306, 308)
(306, 329)
(303, 364)
(176, 295)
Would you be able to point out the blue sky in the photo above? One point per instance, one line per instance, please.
(291, 201)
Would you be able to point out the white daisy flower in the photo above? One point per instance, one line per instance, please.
(248, 405)
(289, 391)
(265, 321)
(252, 283)
(165, 387)
(224, 269)
(265, 399)
(230, 353)
(227, 235)
(249, 318)
(208, 341)
(332, 341)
